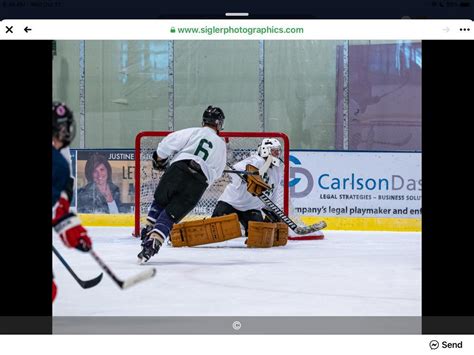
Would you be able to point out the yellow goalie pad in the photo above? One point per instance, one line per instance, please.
(205, 231)
(261, 234)
(281, 234)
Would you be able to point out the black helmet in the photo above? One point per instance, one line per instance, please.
(63, 123)
(214, 116)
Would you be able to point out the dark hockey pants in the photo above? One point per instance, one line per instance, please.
(180, 189)
(223, 208)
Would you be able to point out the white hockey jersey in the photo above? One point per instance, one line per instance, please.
(201, 144)
(236, 194)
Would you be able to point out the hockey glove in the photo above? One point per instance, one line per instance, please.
(158, 164)
(61, 208)
(255, 184)
(72, 233)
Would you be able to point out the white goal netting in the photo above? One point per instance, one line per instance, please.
(239, 146)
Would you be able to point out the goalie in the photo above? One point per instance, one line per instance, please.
(242, 199)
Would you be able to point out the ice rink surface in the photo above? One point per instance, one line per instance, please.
(346, 274)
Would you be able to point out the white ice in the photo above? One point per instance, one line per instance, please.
(346, 274)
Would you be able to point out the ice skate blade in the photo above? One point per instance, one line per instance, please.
(143, 261)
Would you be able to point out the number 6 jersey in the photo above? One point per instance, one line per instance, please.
(201, 144)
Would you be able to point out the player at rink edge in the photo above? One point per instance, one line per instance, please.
(66, 224)
(193, 158)
(237, 198)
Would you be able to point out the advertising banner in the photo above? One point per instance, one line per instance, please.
(105, 181)
(322, 183)
(356, 184)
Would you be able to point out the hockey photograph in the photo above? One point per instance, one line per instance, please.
(216, 186)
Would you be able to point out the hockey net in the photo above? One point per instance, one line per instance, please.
(240, 145)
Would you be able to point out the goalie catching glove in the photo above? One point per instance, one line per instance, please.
(255, 184)
(159, 164)
(69, 227)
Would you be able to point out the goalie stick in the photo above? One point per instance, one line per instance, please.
(244, 172)
(123, 284)
(83, 283)
(287, 220)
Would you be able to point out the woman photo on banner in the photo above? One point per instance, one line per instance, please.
(100, 194)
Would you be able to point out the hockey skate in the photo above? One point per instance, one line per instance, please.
(150, 246)
(145, 231)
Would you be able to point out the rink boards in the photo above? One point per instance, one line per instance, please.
(350, 190)
(334, 223)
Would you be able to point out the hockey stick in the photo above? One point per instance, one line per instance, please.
(82, 283)
(241, 172)
(123, 284)
(287, 220)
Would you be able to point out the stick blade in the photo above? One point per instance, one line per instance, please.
(92, 282)
(145, 275)
(312, 228)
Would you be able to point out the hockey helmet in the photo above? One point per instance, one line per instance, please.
(270, 147)
(214, 116)
(63, 123)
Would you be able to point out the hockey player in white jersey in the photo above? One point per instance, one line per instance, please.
(237, 199)
(193, 159)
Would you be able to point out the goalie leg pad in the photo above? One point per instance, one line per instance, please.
(281, 234)
(261, 234)
(206, 231)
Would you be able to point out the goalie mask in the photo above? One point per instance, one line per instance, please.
(63, 123)
(214, 116)
(270, 147)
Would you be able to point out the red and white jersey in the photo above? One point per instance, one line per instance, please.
(201, 144)
(236, 194)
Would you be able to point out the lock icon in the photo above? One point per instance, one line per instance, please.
(172, 30)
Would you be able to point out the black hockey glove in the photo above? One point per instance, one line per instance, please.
(159, 164)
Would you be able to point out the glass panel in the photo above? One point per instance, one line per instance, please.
(384, 95)
(66, 79)
(218, 73)
(126, 91)
(300, 91)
